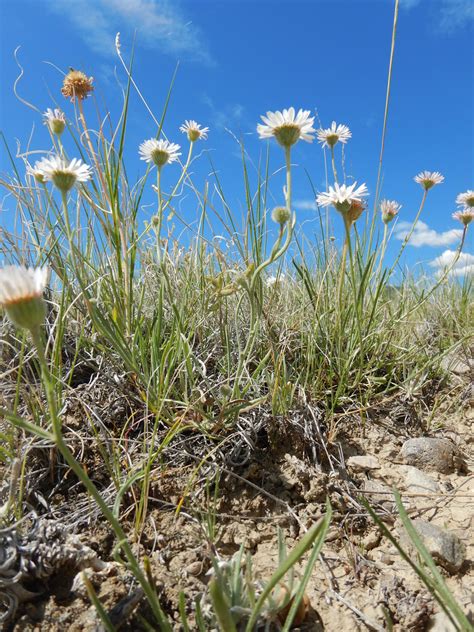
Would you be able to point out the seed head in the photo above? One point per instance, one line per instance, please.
(77, 85)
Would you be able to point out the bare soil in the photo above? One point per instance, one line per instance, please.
(282, 480)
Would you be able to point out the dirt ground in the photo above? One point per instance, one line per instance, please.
(359, 582)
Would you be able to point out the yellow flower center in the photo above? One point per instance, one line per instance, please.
(64, 180)
(332, 139)
(287, 134)
(160, 157)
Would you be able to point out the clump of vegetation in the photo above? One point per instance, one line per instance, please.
(193, 340)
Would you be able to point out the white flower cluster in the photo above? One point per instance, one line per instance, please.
(465, 214)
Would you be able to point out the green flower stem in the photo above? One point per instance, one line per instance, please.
(93, 154)
(89, 485)
(288, 177)
(333, 163)
(165, 205)
(358, 298)
(66, 218)
(181, 177)
(382, 252)
(342, 270)
(277, 251)
(159, 225)
(407, 238)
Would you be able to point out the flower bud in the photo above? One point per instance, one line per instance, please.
(21, 294)
(281, 215)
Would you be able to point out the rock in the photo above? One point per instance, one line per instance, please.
(387, 559)
(371, 540)
(378, 493)
(456, 365)
(440, 623)
(363, 463)
(446, 548)
(195, 568)
(418, 481)
(429, 453)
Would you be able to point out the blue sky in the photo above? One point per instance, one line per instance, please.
(240, 59)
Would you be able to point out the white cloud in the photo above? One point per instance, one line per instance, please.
(448, 256)
(230, 116)
(464, 266)
(449, 15)
(159, 25)
(423, 235)
(465, 271)
(305, 205)
(455, 14)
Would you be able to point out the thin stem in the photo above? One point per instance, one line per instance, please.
(66, 213)
(387, 101)
(165, 205)
(382, 252)
(407, 238)
(181, 177)
(288, 177)
(88, 484)
(91, 149)
(159, 223)
(333, 163)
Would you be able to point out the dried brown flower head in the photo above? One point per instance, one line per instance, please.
(356, 209)
(77, 85)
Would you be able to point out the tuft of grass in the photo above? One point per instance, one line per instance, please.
(196, 330)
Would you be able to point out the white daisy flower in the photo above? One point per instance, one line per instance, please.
(159, 151)
(389, 210)
(342, 196)
(466, 199)
(330, 136)
(194, 131)
(36, 171)
(465, 216)
(63, 173)
(287, 127)
(55, 120)
(428, 179)
(21, 294)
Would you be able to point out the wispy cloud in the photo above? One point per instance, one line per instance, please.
(464, 266)
(409, 4)
(230, 116)
(423, 235)
(455, 14)
(159, 25)
(305, 205)
(449, 15)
